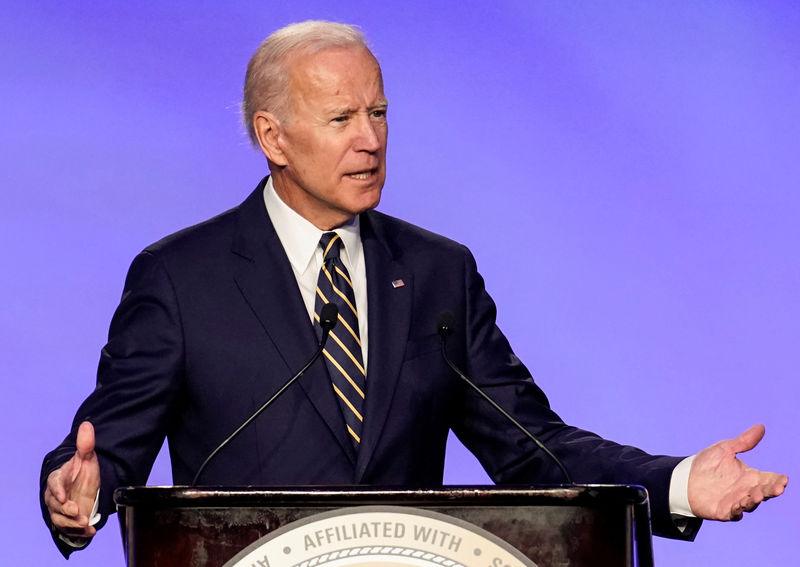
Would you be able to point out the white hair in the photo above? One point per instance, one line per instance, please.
(266, 84)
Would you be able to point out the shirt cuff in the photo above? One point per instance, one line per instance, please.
(96, 516)
(679, 490)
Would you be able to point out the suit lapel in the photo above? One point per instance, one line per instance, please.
(389, 319)
(265, 278)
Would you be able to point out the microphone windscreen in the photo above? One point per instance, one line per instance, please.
(446, 323)
(328, 316)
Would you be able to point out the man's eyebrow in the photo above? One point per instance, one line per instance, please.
(346, 110)
(341, 110)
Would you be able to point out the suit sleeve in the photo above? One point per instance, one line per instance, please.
(505, 452)
(138, 378)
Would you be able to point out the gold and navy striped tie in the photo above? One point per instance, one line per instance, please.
(343, 351)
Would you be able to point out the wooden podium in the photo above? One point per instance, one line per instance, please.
(578, 525)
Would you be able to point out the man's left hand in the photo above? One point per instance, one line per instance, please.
(721, 487)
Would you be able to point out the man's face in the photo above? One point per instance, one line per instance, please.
(334, 140)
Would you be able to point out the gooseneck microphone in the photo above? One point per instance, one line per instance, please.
(445, 328)
(328, 317)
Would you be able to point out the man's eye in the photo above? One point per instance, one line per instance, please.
(340, 119)
(381, 113)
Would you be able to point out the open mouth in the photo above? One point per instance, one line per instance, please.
(366, 174)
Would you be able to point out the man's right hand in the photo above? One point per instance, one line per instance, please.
(72, 489)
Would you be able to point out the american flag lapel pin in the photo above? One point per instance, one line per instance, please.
(398, 283)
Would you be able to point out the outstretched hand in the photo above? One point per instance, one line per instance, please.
(72, 489)
(721, 487)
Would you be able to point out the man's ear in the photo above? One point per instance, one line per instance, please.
(267, 128)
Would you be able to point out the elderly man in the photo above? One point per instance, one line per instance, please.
(215, 318)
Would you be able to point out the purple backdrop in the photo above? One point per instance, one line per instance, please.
(625, 173)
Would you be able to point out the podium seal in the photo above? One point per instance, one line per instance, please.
(380, 536)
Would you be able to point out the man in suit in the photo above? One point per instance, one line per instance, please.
(215, 318)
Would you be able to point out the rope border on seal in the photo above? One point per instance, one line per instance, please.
(379, 550)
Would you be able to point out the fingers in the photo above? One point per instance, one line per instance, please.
(73, 527)
(69, 521)
(56, 493)
(748, 504)
(774, 484)
(65, 514)
(769, 485)
(55, 485)
(747, 440)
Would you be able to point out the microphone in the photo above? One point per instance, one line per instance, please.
(445, 328)
(328, 317)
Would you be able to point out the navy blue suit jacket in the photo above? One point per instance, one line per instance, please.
(211, 323)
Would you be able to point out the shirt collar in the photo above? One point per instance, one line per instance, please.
(300, 238)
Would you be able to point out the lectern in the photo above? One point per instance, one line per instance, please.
(576, 526)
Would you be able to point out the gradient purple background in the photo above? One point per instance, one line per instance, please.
(624, 172)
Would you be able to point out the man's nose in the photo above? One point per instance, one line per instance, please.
(370, 134)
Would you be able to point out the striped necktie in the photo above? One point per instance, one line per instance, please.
(343, 351)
